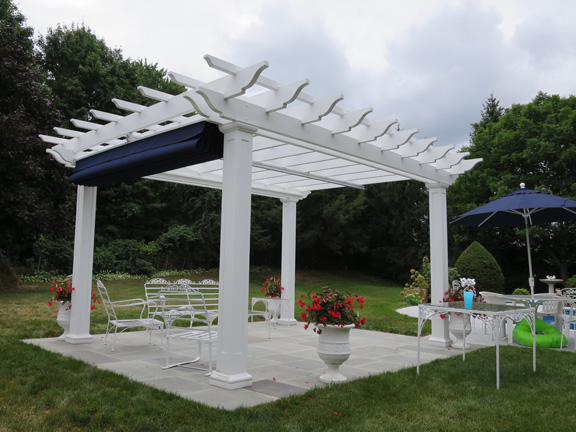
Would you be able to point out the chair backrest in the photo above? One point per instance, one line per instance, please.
(210, 289)
(178, 306)
(108, 305)
(494, 298)
(568, 292)
(550, 307)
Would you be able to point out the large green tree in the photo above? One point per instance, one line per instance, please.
(84, 74)
(533, 144)
(34, 200)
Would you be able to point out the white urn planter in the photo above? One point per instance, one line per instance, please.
(334, 349)
(63, 318)
(459, 326)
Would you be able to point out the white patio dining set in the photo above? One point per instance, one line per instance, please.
(178, 310)
(558, 308)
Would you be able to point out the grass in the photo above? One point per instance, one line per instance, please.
(43, 391)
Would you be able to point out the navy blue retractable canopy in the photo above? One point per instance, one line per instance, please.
(189, 145)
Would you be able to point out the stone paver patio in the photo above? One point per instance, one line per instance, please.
(283, 365)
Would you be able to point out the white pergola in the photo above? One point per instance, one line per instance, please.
(278, 142)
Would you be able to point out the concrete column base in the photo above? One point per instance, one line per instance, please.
(287, 322)
(443, 342)
(78, 339)
(230, 382)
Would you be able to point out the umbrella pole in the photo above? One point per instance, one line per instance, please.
(530, 275)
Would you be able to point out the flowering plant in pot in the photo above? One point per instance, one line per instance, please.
(333, 315)
(272, 287)
(456, 292)
(459, 325)
(62, 294)
(331, 306)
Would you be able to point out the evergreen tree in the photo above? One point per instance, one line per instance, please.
(491, 113)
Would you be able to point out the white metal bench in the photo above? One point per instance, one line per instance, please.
(210, 290)
(158, 287)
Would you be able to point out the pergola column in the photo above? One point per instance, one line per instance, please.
(288, 272)
(438, 258)
(232, 355)
(82, 267)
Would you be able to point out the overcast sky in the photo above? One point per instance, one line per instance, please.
(429, 63)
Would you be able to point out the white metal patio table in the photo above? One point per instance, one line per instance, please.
(492, 314)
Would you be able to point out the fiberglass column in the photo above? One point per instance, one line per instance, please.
(288, 276)
(232, 355)
(438, 259)
(82, 267)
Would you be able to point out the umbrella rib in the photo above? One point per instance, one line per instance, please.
(487, 219)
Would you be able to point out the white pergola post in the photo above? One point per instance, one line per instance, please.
(82, 267)
(232, 356)
(438, 258)
(288, 272)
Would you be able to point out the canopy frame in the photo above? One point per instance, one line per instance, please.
(278, 142)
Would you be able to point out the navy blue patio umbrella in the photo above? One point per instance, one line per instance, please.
(523, 207)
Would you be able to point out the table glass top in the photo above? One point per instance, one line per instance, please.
(476, 306)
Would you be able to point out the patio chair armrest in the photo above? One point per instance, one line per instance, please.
(130, 302)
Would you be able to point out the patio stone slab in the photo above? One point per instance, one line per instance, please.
(283, 365)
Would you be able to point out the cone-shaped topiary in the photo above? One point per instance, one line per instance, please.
(477, 263)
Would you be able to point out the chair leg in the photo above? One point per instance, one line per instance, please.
(565, 327)
(167, 351)
(114, 340)
(509, 330)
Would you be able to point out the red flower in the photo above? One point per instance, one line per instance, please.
(331, 307)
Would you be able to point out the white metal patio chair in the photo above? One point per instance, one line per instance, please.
(116, 323)
(568, 315)
(187, 318)
(548, 306)
(497, 298)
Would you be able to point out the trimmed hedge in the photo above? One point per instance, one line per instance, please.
(477, 263)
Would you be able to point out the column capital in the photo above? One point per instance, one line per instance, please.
(238, 126)
(287, 200)
(430, 186)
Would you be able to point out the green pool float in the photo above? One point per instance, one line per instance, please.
(547, 336)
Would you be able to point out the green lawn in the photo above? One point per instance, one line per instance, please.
(43, 391)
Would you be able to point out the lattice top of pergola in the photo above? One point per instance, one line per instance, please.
(301, 143)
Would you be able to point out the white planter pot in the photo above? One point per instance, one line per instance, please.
(460, 327)
(63, 318)
(334, 349)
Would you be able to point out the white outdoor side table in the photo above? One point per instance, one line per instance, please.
(273, 306)
(492, 314)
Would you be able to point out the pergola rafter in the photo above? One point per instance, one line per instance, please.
(296, 134)
(278, 141)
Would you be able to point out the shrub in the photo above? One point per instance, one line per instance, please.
(521, 291)
(8, 277)
(571, 282)
(476, 262)
(413, 299)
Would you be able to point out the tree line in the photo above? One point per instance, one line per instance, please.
(144, 226)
